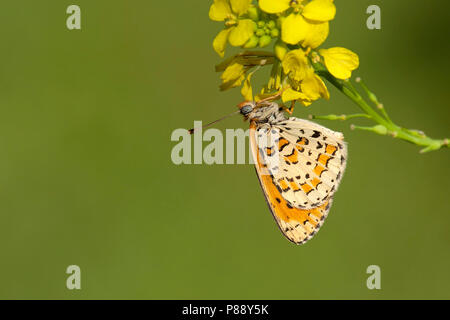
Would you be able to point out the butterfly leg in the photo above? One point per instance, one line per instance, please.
(290, 110)
(273, 97)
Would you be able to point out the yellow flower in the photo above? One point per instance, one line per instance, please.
(340, 62)
(274, 6)
(233, 76)
(238, 31)
(305, 85)
(314, 88)
(306, 24)
(306, 91)
(296, 65)
(293, 95)
(221, 10)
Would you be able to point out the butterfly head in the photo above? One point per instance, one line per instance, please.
(246, 107)
(260, 111)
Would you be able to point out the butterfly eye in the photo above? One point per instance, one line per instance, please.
(246, 109)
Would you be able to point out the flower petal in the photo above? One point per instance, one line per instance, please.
(305, 102)
(219, 10)
(296, 65)
(220, 42)
(318, 33)
(233, 72)
(240, 6)
(294, 29)
(320, 10)
(314, 88)
(280, 49)
(274, 6)
(240, 34)
(233, 76)
(247, 91)
(340, 62)
(290, 95)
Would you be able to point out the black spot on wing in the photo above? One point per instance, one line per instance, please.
(292, 153)
(303, 139)
(283, 146)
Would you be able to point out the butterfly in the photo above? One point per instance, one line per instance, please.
(299, 165)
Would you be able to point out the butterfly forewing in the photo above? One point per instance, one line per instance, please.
(321, 154)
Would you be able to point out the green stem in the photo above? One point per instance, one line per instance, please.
(341, 117)
(392, 129)
(372, 97)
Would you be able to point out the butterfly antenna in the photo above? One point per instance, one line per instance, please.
(191, 131)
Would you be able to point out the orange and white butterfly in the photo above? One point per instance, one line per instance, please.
(299, 165)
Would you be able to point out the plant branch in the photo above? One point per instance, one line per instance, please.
(385, 125)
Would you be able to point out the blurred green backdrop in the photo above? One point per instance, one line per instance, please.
(86, 176)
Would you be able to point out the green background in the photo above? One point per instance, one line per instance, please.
(86, 176)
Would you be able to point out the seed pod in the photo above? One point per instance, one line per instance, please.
(380, 129)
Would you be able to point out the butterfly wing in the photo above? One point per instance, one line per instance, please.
(306, 160)
(290, 186)
(315, 156)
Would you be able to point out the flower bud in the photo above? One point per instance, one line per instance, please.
(253, 13)
(261, 24)
(274, 33)
(265, 40)
(252, 42)
(260, 32)
(271, 24)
